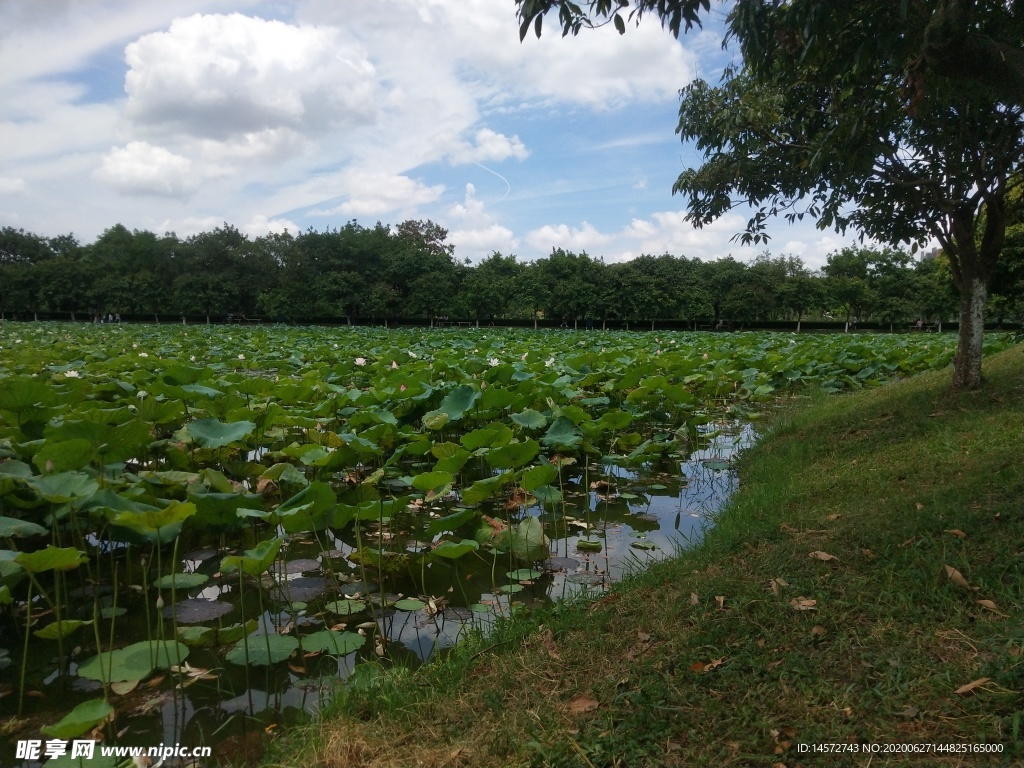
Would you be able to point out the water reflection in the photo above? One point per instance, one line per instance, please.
(634, 515)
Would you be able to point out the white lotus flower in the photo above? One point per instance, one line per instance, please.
(72, 375)
(393, 365)
(549, 362)
(413, 355)
(241, 356)
(360, 361)
(192, 358)
(143, 354)
(494, 362)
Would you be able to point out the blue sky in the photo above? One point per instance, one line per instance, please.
(180, 116)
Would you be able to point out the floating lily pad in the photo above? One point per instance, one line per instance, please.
(511, 589)
(304, 588)
(589, 579)
(560, 564)
(346, 607)
(198, 610)
(335, 643)
(410, 604)
(303, 565)
(181, 581)
(646, 545)
(524, 574)
(358, 588)
(134, 662)
(589, 545)
(280, 648)
(717, 465)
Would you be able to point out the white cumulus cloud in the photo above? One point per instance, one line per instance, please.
(141, 168)
(489, 146)
(218, 76)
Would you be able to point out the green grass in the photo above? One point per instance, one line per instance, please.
(705, 660)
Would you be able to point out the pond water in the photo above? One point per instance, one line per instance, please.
(370, 586)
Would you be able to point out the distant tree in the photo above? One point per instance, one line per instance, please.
(857, 115)
(492, 287)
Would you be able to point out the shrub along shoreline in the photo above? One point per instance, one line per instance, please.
(862, 589)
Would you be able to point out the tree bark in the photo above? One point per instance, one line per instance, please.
(967, 363)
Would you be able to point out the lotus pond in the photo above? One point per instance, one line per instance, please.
(205, 528)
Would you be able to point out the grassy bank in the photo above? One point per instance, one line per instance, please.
(864, 587)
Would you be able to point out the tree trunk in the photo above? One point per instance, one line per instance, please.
(799, 317)
(967, 363)
(652, 325)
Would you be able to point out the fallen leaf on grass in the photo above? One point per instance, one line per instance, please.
(989, 605)
(919, 506)
(957, 532)
(643, 637)
(1015, 650)
(909, 711)
(804, 604)
(956, 577)
(694, 599)
(867, 553)
(965, 689)
(720, 599)
(706, 666)
(824, 556)
(817, 630)
(550, 647)
(582, 704)
(788, 528)
(831, 518)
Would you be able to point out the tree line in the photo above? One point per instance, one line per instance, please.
(357, 273)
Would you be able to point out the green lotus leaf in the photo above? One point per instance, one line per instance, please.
(453, 550)
(512, 455)
(254, 561)
(160, 526)
(181, 581)
(134, 662)
(432, 481)
(64, 486)
(60, 629)
(79, 720)
(211, 433)
(263, 650)
(64, 455)
(450, 522)
(332, 642)
(458, 401)
(51, 559)
(410, 604)
(11, 526)
(491, 436)
(529, 419)
(537, 476)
